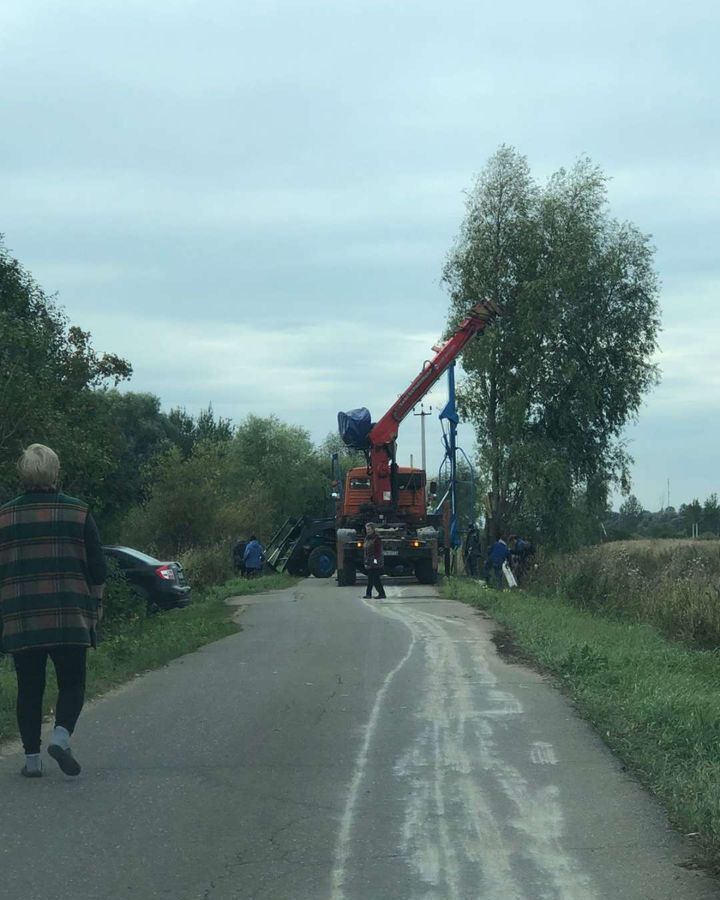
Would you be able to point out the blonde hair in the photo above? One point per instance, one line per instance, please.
(39, 466)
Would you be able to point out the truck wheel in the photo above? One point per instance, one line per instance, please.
(322, 561)
(424, 572)
(347, 576)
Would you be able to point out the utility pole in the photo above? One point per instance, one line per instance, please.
(422, 415)
(668, 492)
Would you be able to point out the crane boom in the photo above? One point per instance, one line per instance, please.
(384, 433)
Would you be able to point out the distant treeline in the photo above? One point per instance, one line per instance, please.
(634, 521)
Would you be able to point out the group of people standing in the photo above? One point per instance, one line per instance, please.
(514, 551)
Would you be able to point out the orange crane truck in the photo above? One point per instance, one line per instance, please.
(394, 498)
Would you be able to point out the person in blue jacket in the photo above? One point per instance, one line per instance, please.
(253, 557)
(498, 555)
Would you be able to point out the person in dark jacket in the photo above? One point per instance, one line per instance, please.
(253, 557)
(374, 561)
(472, 551)
(52, 578)
(498, 555)
(522, 550)
(238, 555)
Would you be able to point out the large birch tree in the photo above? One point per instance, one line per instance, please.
(551, 386)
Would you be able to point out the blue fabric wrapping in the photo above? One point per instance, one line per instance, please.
(354, 427)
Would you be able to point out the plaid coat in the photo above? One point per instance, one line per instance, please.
(45, 598)
(373, 552)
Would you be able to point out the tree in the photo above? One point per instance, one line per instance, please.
(111, 451)
(552, 384)
(711, 515)
(186, 431)
(693, 513)
(48, 370)
(631, 511)
(282, 458)
(196, 502)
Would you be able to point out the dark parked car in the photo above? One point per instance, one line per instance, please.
(162, 584)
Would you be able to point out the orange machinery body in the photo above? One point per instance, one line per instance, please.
(393, 497)
(357, 496)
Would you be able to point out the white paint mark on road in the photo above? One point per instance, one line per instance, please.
(466, 803)
(342, 850)
(543, 754)
(473, 823)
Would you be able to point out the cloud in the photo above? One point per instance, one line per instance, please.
(314, 368)
(253, 201)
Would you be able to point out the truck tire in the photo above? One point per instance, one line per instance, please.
(321, 562)
(424, 572)
(347, 576)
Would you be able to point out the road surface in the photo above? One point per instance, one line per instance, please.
(339, 749)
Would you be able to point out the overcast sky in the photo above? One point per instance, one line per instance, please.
(252, 200)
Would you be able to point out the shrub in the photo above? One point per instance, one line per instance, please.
(198, 502)
(205, 566)
(673, 585)
(122, 604)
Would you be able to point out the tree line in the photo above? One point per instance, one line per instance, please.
(161, 481)
(632, 520)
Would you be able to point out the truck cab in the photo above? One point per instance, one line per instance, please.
(409, 539)
(356, 502)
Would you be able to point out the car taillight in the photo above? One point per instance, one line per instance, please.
(165, 572)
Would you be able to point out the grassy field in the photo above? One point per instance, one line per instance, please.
(658, 547)
(652, 695)
(147, 644)
(673, 585)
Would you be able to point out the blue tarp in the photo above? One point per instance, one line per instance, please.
(354, 427)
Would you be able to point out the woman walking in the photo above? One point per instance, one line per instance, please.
(52, 578)
(374, 561)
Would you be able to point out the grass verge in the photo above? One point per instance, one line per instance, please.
(654, 701)
(146, 644)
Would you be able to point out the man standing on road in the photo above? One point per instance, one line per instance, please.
(52, 578)
(499, 554)
(253, 557)
(374, 562)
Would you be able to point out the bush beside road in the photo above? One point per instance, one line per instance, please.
(654, 700)
(133, 643)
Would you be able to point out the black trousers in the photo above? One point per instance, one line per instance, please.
(70, 665)
(373, 581)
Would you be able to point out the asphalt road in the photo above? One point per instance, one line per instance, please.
(340, 750)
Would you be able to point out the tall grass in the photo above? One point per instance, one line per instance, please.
(674, 586)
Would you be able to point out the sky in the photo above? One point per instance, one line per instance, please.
(252, 201)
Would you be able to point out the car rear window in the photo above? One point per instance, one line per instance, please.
(131, 554)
